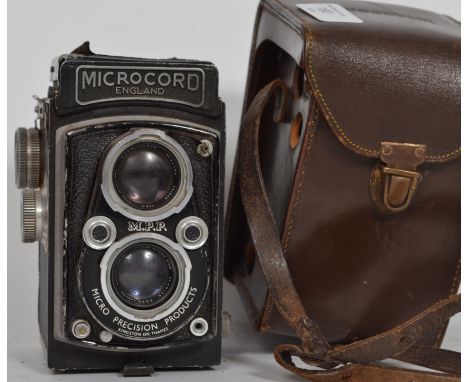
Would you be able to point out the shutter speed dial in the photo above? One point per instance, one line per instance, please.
(27, 158)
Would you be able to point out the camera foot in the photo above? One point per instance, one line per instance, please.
(137, 370)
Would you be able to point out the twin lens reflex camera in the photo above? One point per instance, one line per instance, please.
(122, 180)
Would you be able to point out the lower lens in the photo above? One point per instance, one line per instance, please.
(144, 276)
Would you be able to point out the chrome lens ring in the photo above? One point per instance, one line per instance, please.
(181, 196)
(183, 264)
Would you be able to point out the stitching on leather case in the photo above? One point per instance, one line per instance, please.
(334, 122)
(275, 12)
(329, 115)
(329, 112)
(264, 324)
(313, 124)
(388, 13)
(444, 156)
(432, 158)
(455, 278)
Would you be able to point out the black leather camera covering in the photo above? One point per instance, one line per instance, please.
(86, 151)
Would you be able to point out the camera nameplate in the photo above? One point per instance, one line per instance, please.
(179, 85)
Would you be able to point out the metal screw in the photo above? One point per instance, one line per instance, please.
(81, 329)
(205, 148)
(199, 327)
(105, 336)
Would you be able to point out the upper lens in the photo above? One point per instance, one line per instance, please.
(144, 275)
(146, 175)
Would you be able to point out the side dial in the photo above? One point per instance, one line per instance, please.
(31, 215)
(27, 158)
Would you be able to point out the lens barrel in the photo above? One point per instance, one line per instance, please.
(147, 175)
(144, 276)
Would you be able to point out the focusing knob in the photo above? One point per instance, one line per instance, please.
(31, 217)
(27, 158)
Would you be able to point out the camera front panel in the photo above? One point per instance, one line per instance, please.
(142, 233)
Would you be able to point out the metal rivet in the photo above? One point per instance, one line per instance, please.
(105, 336)
(184, 225)
(205, 148)
(91, 225)
(387, 149)
(419, 152)
(81, 329)
(199, 327)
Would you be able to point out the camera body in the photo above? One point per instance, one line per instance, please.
(123, 179)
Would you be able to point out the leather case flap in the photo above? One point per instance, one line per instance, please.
(395, 77)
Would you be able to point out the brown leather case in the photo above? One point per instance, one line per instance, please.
(350, 155)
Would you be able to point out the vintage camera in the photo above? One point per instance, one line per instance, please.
(123, 188)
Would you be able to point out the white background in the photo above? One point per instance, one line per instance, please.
(214, 30)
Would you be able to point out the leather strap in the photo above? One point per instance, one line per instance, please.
(446, 361)
(398, 342)
(263, 228)
(362, 373)
(400, 338)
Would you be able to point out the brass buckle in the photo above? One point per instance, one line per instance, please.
(394, 181)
